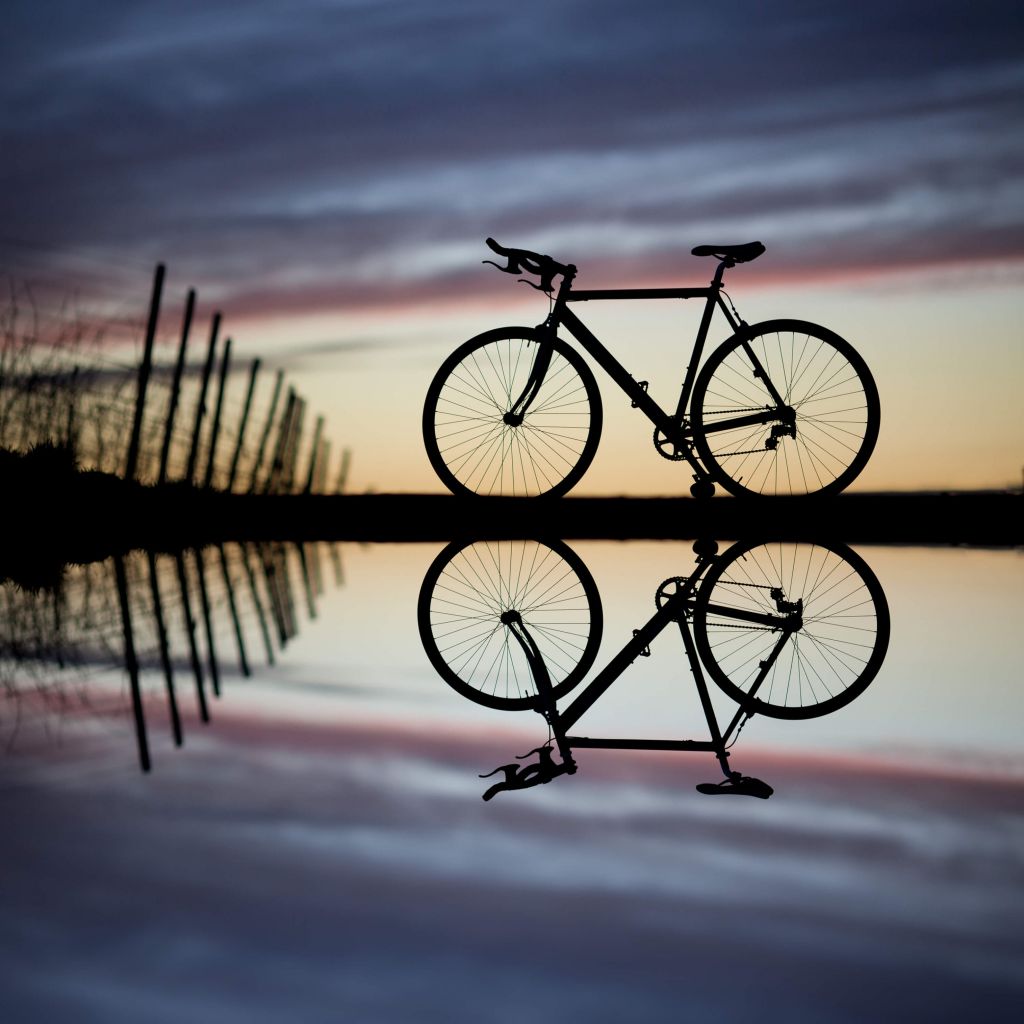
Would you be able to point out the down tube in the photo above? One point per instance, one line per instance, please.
(597, 686)
(637, 395)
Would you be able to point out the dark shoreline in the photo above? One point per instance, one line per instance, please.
(82, 517)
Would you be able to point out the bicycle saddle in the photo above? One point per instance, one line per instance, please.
(741, 785)
(737, 253)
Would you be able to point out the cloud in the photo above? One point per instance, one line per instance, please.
(346, 155)
(355, 867)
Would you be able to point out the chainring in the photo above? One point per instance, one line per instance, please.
(669, 449)
(668, 589)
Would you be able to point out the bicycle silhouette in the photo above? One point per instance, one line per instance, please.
(781, 407)
(790, 631)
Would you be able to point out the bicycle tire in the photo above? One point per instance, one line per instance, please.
(471, 448)
(822, 377)
(826, 664)
(471, 583)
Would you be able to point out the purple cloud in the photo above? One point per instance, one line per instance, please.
(352, 871)
(331, 155)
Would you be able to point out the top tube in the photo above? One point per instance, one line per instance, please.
(586, 295)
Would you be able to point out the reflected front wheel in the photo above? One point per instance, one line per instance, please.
(464, 608)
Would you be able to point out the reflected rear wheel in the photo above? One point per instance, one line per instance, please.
(827, 662)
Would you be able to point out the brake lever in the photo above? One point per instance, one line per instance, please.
(505, 270)
(546, 283)
(518, 264)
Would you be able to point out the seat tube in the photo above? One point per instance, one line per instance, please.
(698, 345)
(705, 698)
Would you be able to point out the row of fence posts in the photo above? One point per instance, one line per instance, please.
(163, 608)
(280, 475)
(278, 616)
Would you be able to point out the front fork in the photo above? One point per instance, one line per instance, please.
(541, 362)
(548, 706)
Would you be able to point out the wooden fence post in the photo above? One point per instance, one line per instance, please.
(179, 368)
(270, 483)
(165, 652)
(346, 460)
(243, 659)
(321, 469)
(201, 407)
(225, 363)
(258, 464)
(242, 424)
(190, 631)
(294, 440)
(310, 476)
(132, 664)
(144, 370)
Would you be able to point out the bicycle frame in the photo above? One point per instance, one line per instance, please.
(673, 426)
(676, 608)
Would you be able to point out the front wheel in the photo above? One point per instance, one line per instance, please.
(474, 443)
(831, 398)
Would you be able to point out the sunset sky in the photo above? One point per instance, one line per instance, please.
(325, 173)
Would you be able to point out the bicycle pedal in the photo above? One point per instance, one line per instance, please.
(745, 786)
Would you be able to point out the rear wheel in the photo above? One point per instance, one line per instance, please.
(467, 590)
(826, 663)
(820, 377)
(473, 447)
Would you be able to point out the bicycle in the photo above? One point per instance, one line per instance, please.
(781, 407)
(788, 631)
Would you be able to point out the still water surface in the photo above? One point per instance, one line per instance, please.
(320, 848)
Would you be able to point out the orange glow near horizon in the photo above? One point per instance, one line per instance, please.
(947, 363)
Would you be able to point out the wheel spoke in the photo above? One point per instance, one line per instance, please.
(468, 589)
(833, 655)
(471, 446)
(821, 379)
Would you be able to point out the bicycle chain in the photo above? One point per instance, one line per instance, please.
(678, 454)
(752, 629)
(756, 629)
(743, 451)
(732, 412)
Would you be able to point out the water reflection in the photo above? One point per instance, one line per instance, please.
(146, 615)
(324, 843)
(787, 630)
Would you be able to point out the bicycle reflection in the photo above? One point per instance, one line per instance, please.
(787, 630)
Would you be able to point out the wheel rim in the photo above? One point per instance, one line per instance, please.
(831, 392)
(825, 664)
(472, 446)
(468, 589)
